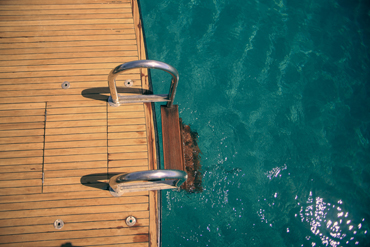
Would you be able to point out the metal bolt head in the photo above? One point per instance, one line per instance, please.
(58, 224)
(131, 221)
(129, 83)
(66, 85)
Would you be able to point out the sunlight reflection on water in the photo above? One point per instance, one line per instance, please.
(328, 221)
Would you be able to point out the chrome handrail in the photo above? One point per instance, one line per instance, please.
(114, 99)
(179, 177)
(150, 175)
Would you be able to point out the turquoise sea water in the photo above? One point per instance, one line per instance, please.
(279, 94)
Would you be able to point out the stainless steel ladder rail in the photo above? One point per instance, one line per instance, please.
(120, 183)
(115, 99)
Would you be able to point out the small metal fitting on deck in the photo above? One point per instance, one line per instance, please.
(58, 224)
(130, 221)
(129, 83)
(66, 85)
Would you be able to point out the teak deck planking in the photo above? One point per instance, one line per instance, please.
(173, 157)
(58, 145)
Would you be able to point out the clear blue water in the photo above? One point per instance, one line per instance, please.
(279, 94)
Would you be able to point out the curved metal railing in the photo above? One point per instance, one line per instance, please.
(119, 183)
(115, 99)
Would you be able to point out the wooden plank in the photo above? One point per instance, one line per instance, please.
(9, 207)
(121, 48)
(18, 154)
(21, 161)
(154, 204)
(19, 183)
(19, 175)
(81, 123)
(21, 146)
(135, 244)
(23, 139)
(128, 163)
(22, 126)
(76, 172)
(123, 135)
(61, 3)
(128, 156)
(74, 144)
(41, 86)
(63, 196)
(60, 16)
(76, 158)
(22, 106)
(74, 187)
(56, 44)
(54, 57)
(66, 27)
(112, 115)
(127, 149)
(47, 67)
(31, 132)
(117, 216)
(35, 99)
(154, 226)
(88, 165)
(151, 136)
(125, 142)
(20, 191)
(28, 119)
(64, 104)
(172, 152)
(67, 38)
(127, 107)
(65, 22)
(73, 210)
(69, 7)
(75, 165)
(140, 44)
(75, 137)
(68, 117)
(78, 130)
(126, 128)
(75, 151)
(59, 73)
(21, 168)
(138, 240)
(75, 110)
(37, 62)
(12, 113)
(86, 234)
(72, 12)
(72, 226)
(126, 121)
(127, 169)
(92, 79)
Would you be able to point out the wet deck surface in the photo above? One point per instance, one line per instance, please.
(58, 145)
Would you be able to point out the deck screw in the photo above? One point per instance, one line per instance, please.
(58, 224)
(129, 83)
(66, 85)
(131, 221)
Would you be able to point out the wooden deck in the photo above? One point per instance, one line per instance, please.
(173, 157)
(57, 146)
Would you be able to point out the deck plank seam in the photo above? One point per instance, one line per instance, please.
(43, 148)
